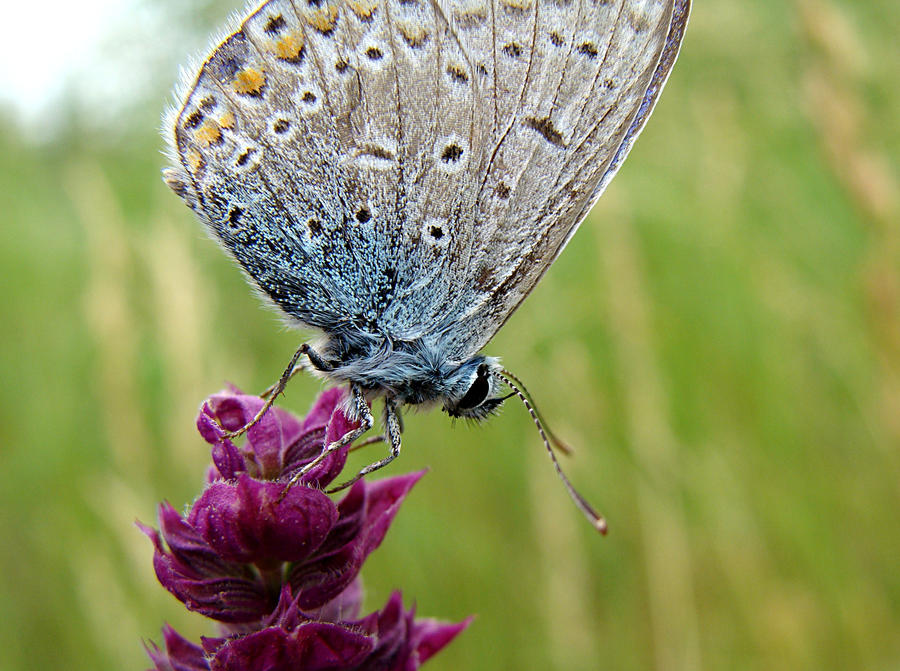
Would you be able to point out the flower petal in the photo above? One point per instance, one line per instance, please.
(383, 501)
(390, 628)
(323, 408)
(268, 438)
(249, 521)
(225, 558)
(264, 438)
(345, 606)
(189, 548)
(207, 425)
(233, 411)
(404, 643)
(198, 577)
(339, 425)
(430, 636)
(180, 654)
(314, 646)
(303, 449)
(225, 599)
(228, 460)
(366, 512)
(226, 457)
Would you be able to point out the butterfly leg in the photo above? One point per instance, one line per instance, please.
(366, 422)
(394, 426)
(275, 390)
(371, 440)
(380, 438)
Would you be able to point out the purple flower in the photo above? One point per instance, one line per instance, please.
(278, 566)
(388, 640)
(279, 444)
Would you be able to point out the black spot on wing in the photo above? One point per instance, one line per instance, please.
(546, 128)
(274, 25)
(451, 153)
(234, 216)
(457, 74)
(512, 49)
(589, 50)
(193, 120)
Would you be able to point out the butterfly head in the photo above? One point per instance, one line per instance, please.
(475, 396)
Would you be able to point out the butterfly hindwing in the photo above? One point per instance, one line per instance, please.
(575, 126)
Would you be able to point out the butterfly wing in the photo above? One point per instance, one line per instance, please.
(410, 168)
(573, 84)
(327, 144)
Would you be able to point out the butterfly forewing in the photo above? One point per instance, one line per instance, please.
(410, 168)
(334, 148)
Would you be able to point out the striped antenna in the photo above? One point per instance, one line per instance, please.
(555, 441)
(518, 388)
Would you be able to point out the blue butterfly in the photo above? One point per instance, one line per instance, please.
(397, 175)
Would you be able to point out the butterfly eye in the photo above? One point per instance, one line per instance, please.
(478, 392)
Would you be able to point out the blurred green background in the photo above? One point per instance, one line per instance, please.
(721, 342)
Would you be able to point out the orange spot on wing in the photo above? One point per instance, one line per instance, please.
(227, 120)
(208, 133)
(323, 19)
(194, 159)
(517, 4)
(249, 81)
(413, 33)
(363, 8)
(289, 47)
(469, 17)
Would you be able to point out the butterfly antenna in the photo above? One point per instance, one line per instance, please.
(519, 389)
(555, 441)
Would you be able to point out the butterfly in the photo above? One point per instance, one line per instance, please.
(397, 175)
